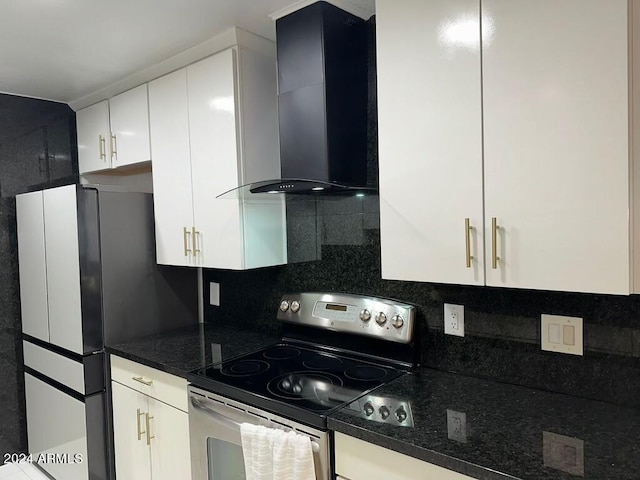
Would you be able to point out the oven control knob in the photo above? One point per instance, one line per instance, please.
(381, 318)
(384, 412)
(297, 388)
(295, 306)
(397, 321)
(365, 315)
(286, 384)
(284, 306)
(368, 409)
(401, 414)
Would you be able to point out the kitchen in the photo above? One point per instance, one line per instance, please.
(494, 414)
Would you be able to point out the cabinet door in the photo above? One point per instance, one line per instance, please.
(63, 267)
(133, 458)
(56, 424)
(214, 160)
(172, 198)
(170, 454)
(129, 116)
(430, 140)
(31, 262)
(93, 138)
(556, 143)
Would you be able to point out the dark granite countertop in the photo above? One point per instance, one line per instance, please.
(181, 351)
(510, 432)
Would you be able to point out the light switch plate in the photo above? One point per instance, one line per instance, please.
(454, 319)
(214, 294)
(563, 453)
(562, 334)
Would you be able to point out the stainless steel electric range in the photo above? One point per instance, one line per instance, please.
(337, 349)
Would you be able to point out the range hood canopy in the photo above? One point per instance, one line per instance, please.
(322, 104)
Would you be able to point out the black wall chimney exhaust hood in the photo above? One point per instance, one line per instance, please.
(322, 102)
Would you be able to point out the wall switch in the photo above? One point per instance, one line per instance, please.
(563, 453)
(457, 426)
(454, 319)
(214, 294)
(562, 334)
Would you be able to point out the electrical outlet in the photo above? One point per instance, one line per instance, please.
(454, 319)
(214, 294)
(457, 426)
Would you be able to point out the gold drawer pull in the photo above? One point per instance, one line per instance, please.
(102, 147)
(148, 383)
(186, 232)
(494, 243)
(149, 436)
(194, 237)
(114, 147)
(140, 432)
(467, 237)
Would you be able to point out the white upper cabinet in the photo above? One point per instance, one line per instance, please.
(213, 128)
(94, 135)
(430, 141)
(129, 118)
(532, 137)
(114, 133)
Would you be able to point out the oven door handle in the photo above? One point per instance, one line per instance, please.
(315, 446)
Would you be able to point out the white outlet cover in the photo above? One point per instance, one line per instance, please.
(563, 453)
(562, 334)
(454, 319)
(456, 426)
(214, 294)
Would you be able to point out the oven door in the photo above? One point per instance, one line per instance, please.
(216, 446)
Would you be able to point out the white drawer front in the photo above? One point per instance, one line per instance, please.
(61, 369)
(160, 385)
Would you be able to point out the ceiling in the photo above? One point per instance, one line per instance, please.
(63, 50)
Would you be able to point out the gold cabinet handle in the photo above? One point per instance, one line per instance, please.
(148, 383)
(467, 237)
(187, 250)
(494, 243)
(140, 432)
(194, 234)
(113, 145)
(102, 147)
(148, 425)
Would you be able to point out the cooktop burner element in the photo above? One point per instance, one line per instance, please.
(303, 380)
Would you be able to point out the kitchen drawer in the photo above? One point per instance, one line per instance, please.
(160, 385)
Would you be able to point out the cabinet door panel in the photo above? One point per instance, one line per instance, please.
(214, 159)
(173, 202)
(170, 454)
(133, 458)
(93, 123)
(31, 262)
(556, 143)
(430, 140)
(129, 115)
(63, 267)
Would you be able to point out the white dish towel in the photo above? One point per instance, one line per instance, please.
(272, 454)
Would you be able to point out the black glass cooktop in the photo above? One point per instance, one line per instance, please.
(294, 381)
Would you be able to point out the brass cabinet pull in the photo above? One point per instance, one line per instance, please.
(102, 146)
(140, 432)
(187, 250)
(467, 237)
(494, 243)
(148, 383)
(148, 425)
(194, 232)
(113, 144)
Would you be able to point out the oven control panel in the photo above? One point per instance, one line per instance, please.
(376, 317)
(391, 410)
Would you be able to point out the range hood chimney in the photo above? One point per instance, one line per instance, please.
(322, 102)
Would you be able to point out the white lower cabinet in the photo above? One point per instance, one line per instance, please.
(359, 460)
(150, 427)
